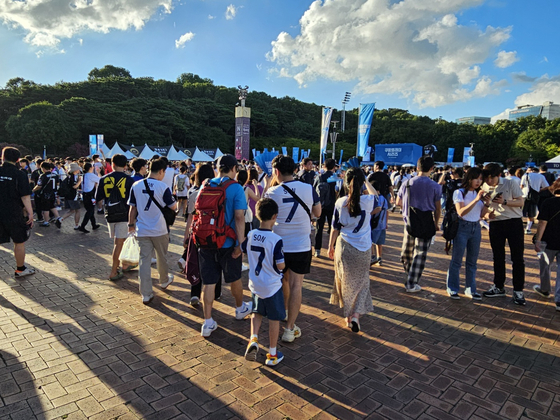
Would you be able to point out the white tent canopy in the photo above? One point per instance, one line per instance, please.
(218, 153)
(105, 150)
(199, 156)
(147, 153)
(554, 160)
(173, 154)
(116, 150)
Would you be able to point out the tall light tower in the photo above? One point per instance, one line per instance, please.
(242, 126)
(344, 102)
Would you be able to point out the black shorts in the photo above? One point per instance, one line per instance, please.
(529, 209)
(271, 307)
(16, 230)
(72, 204)
(298, 262)
(213, 262)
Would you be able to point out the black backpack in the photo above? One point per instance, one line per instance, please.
(450, 225)
(65, 187)
(116, 209)
(324, 191)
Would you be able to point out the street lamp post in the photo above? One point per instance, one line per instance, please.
(333, 135)
(344, 102)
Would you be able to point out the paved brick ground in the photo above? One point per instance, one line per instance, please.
(74, 345)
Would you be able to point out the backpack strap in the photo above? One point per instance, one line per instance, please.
(299, 200)
(151, 194)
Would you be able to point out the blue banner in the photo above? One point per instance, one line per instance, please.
(295, 154)
(92, 144)
(284, 151)
(450, 153)
(398, 154)
(254, 153)
(325, 123)
(44, 152)
(340, 160)
(308, 153)
(265, 150)
(471, 161)
(100, 141)
(364, 127)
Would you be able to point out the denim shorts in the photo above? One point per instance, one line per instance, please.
(378, 236)
(271, 307)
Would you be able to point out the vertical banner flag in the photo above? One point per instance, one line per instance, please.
(254, 153)
(340, 160)
(466, 154)
(471, 161)
(325, 123)
(284, 151)
(295, 154)
(308, 152)
(44, 152)
(100, 141)
(450, 153)
(364, 127)
(367, 155)
(303, 155)
(265, 150)
(92, 144)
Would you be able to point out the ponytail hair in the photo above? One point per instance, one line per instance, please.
(354, 181)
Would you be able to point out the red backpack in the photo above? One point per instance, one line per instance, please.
(210, 230)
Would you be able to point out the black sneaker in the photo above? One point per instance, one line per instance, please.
(83, 229)
(96, 227)
(58, 223)
(453, 295)
(518, 298)
(494, 292)
(540, 292)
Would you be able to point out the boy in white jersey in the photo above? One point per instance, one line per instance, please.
(266, 262)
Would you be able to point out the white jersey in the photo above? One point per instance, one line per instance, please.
(534, 181)
(264, 251)
(169, 177)
(293, 223)
(355, 230)
(150, 221)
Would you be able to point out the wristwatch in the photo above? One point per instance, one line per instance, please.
(505, 202)
(131, 225)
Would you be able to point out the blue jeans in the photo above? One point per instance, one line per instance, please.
(468, 237)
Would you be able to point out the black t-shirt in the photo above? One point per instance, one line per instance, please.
(551, 234)
(382, 180)
(306, 176)
(107, 182)
(49, 185)
(13, 185)
(35, 175)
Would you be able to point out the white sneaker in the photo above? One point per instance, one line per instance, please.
(154, 261)
(146, 300)
(207, 331)
(317, 253)
(415, 289)
(290, 335)
(246, 309)
(168, 282)
(27, 272)
(182, 264)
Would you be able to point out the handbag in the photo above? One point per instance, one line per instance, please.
(419, 223)
(192, 270)
(533, 196)
(168, 214)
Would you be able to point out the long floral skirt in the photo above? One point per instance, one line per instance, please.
(351, 279)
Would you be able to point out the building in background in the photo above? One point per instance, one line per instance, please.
(548, 110)
(473, 120)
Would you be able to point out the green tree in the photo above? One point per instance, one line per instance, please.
(108, 71)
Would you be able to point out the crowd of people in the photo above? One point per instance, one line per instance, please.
(232, 208)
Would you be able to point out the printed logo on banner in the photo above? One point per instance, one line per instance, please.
(393, 151)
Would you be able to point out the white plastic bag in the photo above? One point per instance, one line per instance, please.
(130, 251)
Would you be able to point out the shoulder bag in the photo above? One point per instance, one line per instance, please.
(419, 223)
(168, 214)
(533, 196)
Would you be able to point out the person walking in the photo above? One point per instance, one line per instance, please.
(89, 185)
(425, 195)
(532, 180)
(297, 201)
(547, 243)
(16, 213)
(327, 194)
(350, 248)
(471, 204)
(71, 200)
(146, 220)
(505, 224)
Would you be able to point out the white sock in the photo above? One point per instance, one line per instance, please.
(209, 322)
(272, 351)
(240, 308)
(253, 336)
(529, 225)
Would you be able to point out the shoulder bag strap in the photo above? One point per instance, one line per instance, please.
(299, 200)
(151, 194)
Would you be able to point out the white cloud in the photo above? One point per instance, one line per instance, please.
(211, 17)
(231, 11)
(46, 22)
(180, 43)
(414, 48)
(81, 41)
(501, 116)
(259, 67)
(544, 89)
(506, 59)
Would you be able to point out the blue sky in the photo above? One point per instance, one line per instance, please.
(449, 58)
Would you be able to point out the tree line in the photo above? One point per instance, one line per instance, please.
(193, 111)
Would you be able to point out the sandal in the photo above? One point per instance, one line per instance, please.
(119, 275)
(129, 268)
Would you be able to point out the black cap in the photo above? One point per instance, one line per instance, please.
(226, 161)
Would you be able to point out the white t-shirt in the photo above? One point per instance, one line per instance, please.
(264, 251)
(535, 181)
(97, 167)
(460, 196)
(293, 223)
(90, 179)
(192, 195)
(178, 180)
(168, 178)
(150, 221)
(354, 230)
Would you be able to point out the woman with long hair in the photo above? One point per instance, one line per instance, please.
(351, 233)
(252, 186)
(471, 205)
(547, 243)
(243, 179)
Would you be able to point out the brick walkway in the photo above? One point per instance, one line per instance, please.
(74, 345)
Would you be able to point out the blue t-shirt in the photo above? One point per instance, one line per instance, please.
(235, 200)
(381, 201)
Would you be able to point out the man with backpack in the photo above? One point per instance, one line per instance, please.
(219, 231)
(114, 190)
(327, 195)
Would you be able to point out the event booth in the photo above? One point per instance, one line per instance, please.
(398, 154)
(171, 152)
